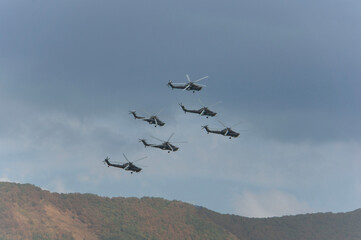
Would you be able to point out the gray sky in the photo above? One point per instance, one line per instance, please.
(290, 70)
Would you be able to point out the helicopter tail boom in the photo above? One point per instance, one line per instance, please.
(206, 127)
(189, 110)
(181, 86)
(170, 84)
(183, 108)
(144, 142)
(135, 115)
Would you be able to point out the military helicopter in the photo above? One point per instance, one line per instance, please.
(190, 86)
(227, 131)
(128, 166)
(204, 111)
(166, 145)
(153, 119)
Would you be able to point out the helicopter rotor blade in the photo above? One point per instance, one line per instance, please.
(160, 111)
(200, 102)
(141, 165)
(170, 146)
(222, 124)
(200, 79)
(140, 159)
(201, 85)
(189, 80)
(170, 137)
(186, 88)
(146, 113)
(125, 157)
(237, 124)
(179, 142)
(157, 139)
(215, 104)
(225, 134)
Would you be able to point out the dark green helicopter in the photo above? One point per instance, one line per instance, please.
(153, 119)
(204, 111)
(165, 145)
(227, 131)
(128, 166)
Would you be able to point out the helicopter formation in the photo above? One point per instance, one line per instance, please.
(167, 145)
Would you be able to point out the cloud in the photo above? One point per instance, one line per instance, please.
(57, 185)
(269, 204)
(4, 178)
(289, 70)
(43, 145)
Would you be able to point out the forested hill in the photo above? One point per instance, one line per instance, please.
(27, 212)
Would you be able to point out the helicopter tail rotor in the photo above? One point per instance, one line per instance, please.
(206, 128)
(133, 113)
(144, 142)
(169, 84)
(183, 108)
(106, 161)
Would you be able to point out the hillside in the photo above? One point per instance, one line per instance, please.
(27, 212)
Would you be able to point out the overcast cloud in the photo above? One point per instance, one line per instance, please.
(289, 70)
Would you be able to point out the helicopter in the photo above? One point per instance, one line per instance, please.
(204, 111)
(128, 166)
(227, 131)
(166, 145)
(151, 120)
(190, 86)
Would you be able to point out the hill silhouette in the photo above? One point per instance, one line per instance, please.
(27, 212)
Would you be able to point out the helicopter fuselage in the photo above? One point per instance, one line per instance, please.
(204, 111)
(151, 120)
(167, 147)
(126, 166)
(187, 86)
(225, 132)
(164, 146)
(154, 120)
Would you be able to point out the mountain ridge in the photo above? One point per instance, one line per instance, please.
(28, 212)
